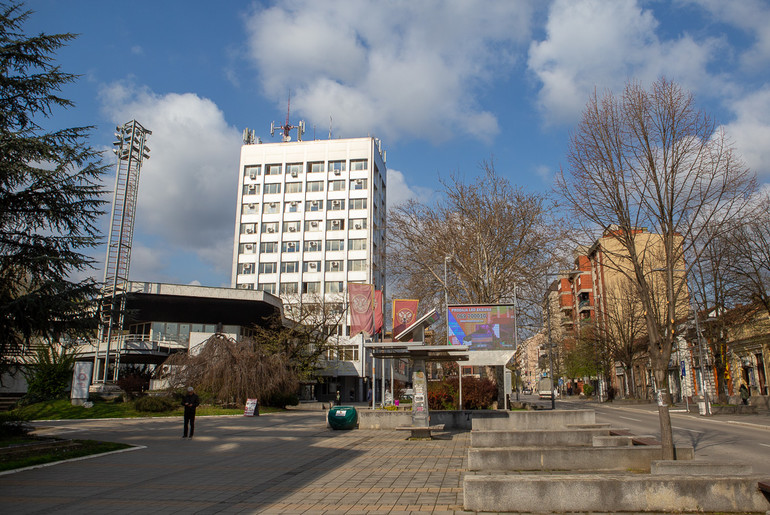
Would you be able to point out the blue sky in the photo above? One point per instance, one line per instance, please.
(445, 85)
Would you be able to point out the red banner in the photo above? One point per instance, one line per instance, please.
(404, 314)
(378, 316)
(361, 299)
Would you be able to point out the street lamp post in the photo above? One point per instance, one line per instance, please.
(447, 259)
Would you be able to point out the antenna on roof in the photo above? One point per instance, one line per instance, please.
(330, 126)
(287, 127)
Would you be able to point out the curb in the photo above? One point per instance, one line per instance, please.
(81, 458)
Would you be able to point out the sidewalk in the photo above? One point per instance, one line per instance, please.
(279, 463)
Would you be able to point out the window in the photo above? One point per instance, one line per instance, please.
(290, 267)
(334, 266)
(312, 245)
(271, 208)
(293, 187)
(357, 223)
(272, 188)
(359, 244)
(247, 229)
(335, 205)
(289, 288)
(292, 207)
(252, 172)
(290, 246)
(333, 245)
(291, 227)
(266, 287)
(315, 186)
(358, 203)
(293, 169)
(273, 170)
(335, 225)
(315, 167)
(267, 268)
(251, 189)
(313, 205)
(313, 225)
(357, 184)
(248, 286)
(311, 287)
(356, 265)
(358, 164)
(336, 167)
(333, 287)
(245, 268)
(311, 266)
(269, 227)
(337, 185)
(252, 208)
(268, 247)
(246, 248)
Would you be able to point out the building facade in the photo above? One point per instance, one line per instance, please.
(310, 220)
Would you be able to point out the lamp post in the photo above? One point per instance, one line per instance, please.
(447, 259)
(550, 341)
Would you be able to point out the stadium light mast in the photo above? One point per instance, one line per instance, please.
(131, 150)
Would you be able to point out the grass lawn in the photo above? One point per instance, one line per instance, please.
(19, 452)
(63, 409)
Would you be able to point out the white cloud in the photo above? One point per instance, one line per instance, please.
(750, 131)
(399, 191)
(597, 44)
(187, 189)
(751, 16)
(399, 69)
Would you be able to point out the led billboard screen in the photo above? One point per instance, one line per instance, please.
(482, 327)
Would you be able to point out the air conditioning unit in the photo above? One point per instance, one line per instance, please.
(294, 202)
(249, 230)
(270, 229)
(314, 224)
(336, 203)
(312, 265)
(249, 246)
(291, 245)
(252, 176)
(358, 226)
(335, 264)
(337, 172)
(293, 174)
(252, 188)
(359, 181)
(252, 205)
(273, 204)
(292, 229)
(316, 203)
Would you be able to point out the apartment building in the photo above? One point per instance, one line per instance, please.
(310, 219)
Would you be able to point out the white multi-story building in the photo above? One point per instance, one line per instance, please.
(311, 219)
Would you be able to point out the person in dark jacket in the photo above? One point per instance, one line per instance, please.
(190, 402)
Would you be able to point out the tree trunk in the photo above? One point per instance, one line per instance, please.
(663, 398)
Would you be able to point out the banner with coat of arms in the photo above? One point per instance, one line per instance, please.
(404, 314)
(378, 311)
(361, 299)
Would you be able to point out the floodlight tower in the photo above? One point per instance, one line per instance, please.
(131, 150)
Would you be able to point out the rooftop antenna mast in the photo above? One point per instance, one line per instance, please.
(287, 127)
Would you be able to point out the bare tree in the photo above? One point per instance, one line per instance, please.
(490, 235)
(651, 159)
(623, 328)
(750, 247)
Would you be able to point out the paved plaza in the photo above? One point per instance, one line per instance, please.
(278, 463)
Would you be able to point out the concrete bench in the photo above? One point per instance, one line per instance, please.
(421, 432)
(636, 439)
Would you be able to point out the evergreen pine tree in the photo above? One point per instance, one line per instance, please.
(50, 196)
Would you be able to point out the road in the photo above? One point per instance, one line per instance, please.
(725, 438)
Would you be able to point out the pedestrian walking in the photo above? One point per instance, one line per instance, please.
(745, 394)
(337, 398)
(190, 402)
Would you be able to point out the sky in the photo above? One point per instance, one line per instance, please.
(444, 85)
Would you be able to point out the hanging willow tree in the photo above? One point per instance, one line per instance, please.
(232, 371)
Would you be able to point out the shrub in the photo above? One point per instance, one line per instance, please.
(281, 400)
(153, 404)
(49, 373)
(588, 390)
(12, 424)
(134, 384)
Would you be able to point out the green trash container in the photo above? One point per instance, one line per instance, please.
(343, 417)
